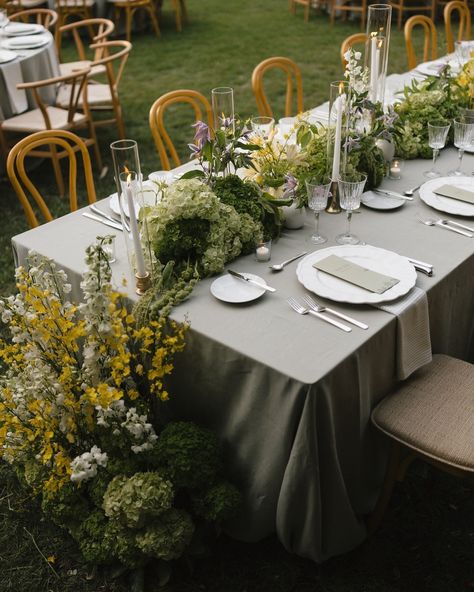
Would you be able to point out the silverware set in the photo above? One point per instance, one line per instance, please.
(449, 225)
(324, 313)
(100, 216)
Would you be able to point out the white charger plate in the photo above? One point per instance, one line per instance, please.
(7, 56)
(375, 201)
(434, 67)
(26, 42)
(16, 29)
(448, 204)
(230, 289)
(373, 258)
(151, 197)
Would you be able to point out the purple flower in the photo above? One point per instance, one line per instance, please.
(351, 144)
(291, 183)
(195, 150)
(202, 134)
(226, 122)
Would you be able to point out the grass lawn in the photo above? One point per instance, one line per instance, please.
(427, 541)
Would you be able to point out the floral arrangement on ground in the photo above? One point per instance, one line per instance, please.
(81, 400)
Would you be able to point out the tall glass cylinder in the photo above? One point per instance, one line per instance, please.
(379, 17)
(339, 113)
(128, 179)
(223, 108)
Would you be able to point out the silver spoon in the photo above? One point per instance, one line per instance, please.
(410, 192)
(280, 266)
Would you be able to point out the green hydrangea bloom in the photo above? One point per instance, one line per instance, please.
(67, 507)
(218, 503)
(122, 543)
(134, 500)
(92, 541)
(189, 454)
(167, 537)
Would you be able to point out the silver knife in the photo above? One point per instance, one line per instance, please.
(115, 225)
(393, 194)
(459, 225)
(250, 281)
(107, 217)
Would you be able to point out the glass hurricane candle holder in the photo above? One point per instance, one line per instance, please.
(339, 113)
(128, 180)
(223, 108)
(379, 17)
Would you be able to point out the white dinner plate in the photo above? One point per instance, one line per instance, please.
(448, 204)
(231, 289)
(15, 29)
(373, 258)
(150, 195)
(431, 68)
(376, 201)
(26, 42)
(7, 56)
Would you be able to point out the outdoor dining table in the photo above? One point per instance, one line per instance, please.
(289, 396)
(29, 66)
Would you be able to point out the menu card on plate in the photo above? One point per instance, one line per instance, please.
(356, 274)
(456, 193)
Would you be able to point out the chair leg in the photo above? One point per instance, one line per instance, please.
(306, 12)
(57, 170)
(184, 10)
(154, 22)
(128, 23)
(400, 14)
(177, 8)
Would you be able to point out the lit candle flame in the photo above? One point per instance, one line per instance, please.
(373, 34)
(341, 87)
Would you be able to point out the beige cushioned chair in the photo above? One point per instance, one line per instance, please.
(431, 415)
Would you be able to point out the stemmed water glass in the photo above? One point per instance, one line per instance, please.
(262, 126)
(318, 194)
(437, 134)
(350, 188)
(463, 135)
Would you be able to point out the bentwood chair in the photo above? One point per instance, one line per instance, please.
(430, 416)
(430, 39)
(49, 117)
(416, 6)
(105, 97)
(67, 144)
(14, 6)
(349, 6)
(41, 16)
(305, 3)
(464, 28)
(130, 7)
(202, 112)
(293, 81)
(94, 30)
(356, 39)
(66, 9)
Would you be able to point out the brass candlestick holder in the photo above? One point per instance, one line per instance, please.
(143, 283)
(334, 206)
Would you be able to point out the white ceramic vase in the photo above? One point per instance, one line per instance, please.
(387, 148)
(293, 217)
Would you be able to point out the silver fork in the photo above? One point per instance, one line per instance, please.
(99, 212)
(318, 307)
(295, 305)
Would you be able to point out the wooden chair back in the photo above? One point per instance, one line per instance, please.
(113, 62)
(464, 29)
(42, 16)
(430, 49)
(94, 30)
(293, 81)
(202, 111)
(24, 186)
(355, 39)
(77, 97)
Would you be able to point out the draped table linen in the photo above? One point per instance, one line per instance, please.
(289, 396)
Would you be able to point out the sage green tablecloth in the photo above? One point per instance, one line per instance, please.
(289, 396)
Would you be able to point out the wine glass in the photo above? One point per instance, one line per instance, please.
(462, 50)
(262, 126)
(318, 194)
(463, 135)
(437, 134)
(350, 188)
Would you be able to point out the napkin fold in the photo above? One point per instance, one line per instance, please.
(12, 75)
(413, 331)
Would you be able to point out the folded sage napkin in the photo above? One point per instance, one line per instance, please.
(12, 75)
(356, 274)
(455, 193)
(413, 331)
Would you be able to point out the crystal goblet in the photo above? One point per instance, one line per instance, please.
(318, 193)
(437, 134)
(350, 188)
